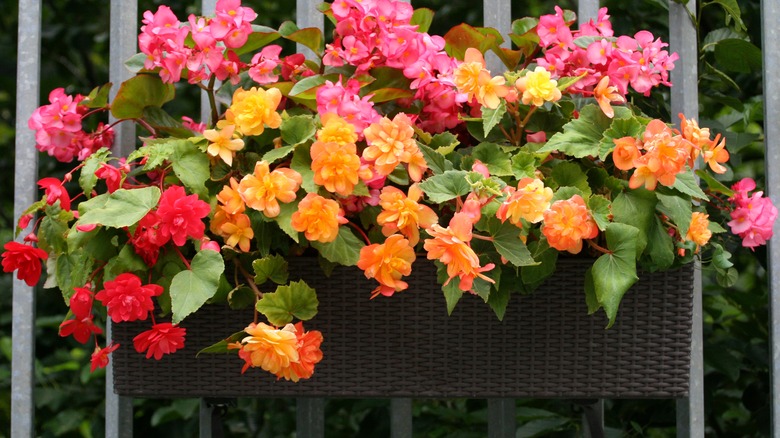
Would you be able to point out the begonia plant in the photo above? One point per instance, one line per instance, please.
(385, 148)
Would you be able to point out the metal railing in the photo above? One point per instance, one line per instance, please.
(501, 412)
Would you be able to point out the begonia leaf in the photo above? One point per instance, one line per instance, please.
(310, 37)
(191, 288)
(98, 97)
(600, 209)
(686, 183)
(73, 270)
(524, 165)
(87, 178)
(156, 151)
(301, 163)
(122, 208)
(497, 161)
(660, 247)
(636, 208)
(452, 292)
(448, 185)
(546, 258)
(191, 166)
(273, 267)
(162, 122)
(260, 37)
(422, 18)
(436, 161)
(499, 297)
(277, 154)
(297, 129)
(284, 219)
(615, 273)
(222, 346)
(294, 300)
(582, 136)
(492, 117)
(139, 92)
(241, 298)
(675, 205)
(126, 261)
(568, 173)
(620, 127)
(444, 143)
(345, 250)
(506, 238)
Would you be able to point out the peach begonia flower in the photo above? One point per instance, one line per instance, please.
(238, 230)
(268, 348)
(230, 199)
(451, 246)
(605, 95)
(625, 153)
(474, 80)
(222, 144)
(699, 232)
(263, 190)
(387, 263)
(336, 130)
(713, 151)
(335, 166)
(567, 222)
(318, 218)
(538, 87)
(390, 143)
(528, 201)
(490, 90)
(665, 156)
(309, 354)
(402, 213)
(254, 109)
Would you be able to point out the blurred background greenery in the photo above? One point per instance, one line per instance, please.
(69, 400)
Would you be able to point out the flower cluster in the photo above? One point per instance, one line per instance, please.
(382, 153)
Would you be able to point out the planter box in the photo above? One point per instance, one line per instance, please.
(406, 346)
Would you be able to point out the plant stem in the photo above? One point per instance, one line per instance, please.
(598, 248)
(480, 237)
(181, 256)
(360, 230)
(212, 101)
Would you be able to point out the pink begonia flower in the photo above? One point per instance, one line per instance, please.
(261, 68)
(754, 215)
(181, 215)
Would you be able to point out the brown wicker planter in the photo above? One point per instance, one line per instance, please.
(407, 346)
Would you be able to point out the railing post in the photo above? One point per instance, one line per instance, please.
(310, 421)
(307, 15)
(685, 99)
(124, 25)
(498, 15)
(770, 13)
(25, 191)
(502, 421)
(400, 417)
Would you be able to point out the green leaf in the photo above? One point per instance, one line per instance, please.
(241, 298)
(499, 297)
(73, 270)
(222, 346)
(260, 37)
(162, 122)
(713, 184)
(566, 192)
(492, 117)
(272, 268)
(568, 81)
(297, 129)
(581, 137)
(497, 161)
(636, 208)
(506, 238)
(660, 247)
(623, 127)
(463, 36)
(615, 273)
(738, 55)
(345, 250)
(686, 183)
(524, 165)
(731, 8)
(191, 166)
(301, 163)
(436, 161)
(452, 292)
(570, 174)
(310, 37)
(422, 18)
(600, 209)
(448, 185)
(156, 151)
(307, 88)
(87, 178)
(546, 257)
(381, 95)
(135, 63)
(444, 143)
(98, 97)
(139, 92)
(285, 217)
(295, 300)
(119, 209)
(727, 278)
(191, 288)
(277, 154)
(677, 206)
(126, 261)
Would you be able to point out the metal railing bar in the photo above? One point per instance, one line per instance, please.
(307, 15)
(28, 69)
(124, 28)
(685, 99)
(400, 417)
(770, 13)
(310, 417)
(498, 15)
(587, 10)
(502, 422)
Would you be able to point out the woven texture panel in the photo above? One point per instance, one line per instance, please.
(406, 346)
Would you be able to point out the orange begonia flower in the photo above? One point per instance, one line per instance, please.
(390, 143)
(238, 230)
(567, 222)
(230, 199)
(336, 130)
(269, 348)
(309, 354)
(699, 232)
(335, 166)
(222, 144)
(318, 218)
(665, 155)
(528, 201)
(625, 153)
(387, 263)
(254, 109)
(605, 95)
(451, 246)
(263, 190)
(403, 214)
